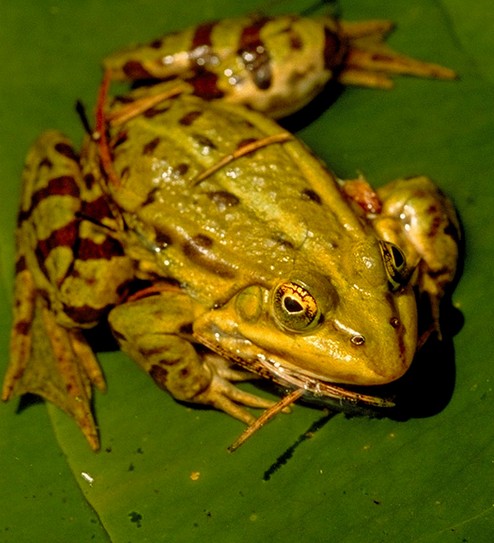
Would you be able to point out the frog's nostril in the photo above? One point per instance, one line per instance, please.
(395, 322)
(358, 340)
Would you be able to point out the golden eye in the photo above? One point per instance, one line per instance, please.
(395, 264)
(294, 307)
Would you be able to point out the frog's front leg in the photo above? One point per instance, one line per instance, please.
(417, 217)
(157, 332)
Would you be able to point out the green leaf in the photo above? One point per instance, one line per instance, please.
(163, 473)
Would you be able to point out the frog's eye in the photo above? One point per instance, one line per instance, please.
(294, 307)
(395, 264)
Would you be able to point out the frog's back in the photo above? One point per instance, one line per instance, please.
(249, 221)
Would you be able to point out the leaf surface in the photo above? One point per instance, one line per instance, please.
(163, 473)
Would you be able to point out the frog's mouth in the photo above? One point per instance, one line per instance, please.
(313, 389)
(316, 390)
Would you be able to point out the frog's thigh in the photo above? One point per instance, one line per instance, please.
(48, 358)
(156, 333)
(66, 235)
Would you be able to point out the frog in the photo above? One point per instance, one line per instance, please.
(213, 243)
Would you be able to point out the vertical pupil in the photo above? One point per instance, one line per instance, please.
(397, 256)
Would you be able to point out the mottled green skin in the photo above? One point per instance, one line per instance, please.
(201, 254)
(273, 216)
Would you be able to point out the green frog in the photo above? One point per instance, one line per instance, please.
(214, 243)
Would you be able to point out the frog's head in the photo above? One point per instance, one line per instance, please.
(311, 328)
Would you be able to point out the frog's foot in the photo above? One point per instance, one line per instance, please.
(225, 396)
(51, 361)
(370, 62)
(154, 331)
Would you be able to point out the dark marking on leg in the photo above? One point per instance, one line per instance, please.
(89, 250)
(89, 180)
(156, 44)
(135, 70)
(64, 185)
(205, 85)
(96, 210)
(23, 327)
(20, 265)
(85, 314)
(66, 236)
(296, 42)
(202, 35)
(254, 54)
(159, 375)
(67, 151)
(45, 163)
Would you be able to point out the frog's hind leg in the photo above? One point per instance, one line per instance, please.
(68, 273)
(370, 62)
(49, 360)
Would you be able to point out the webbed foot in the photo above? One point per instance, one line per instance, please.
(51, 361)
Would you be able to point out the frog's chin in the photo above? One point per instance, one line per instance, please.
(316, 389)
(278, 367)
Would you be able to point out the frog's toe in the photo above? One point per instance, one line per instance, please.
(227, 370)
(56, 364)
(226, 397)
